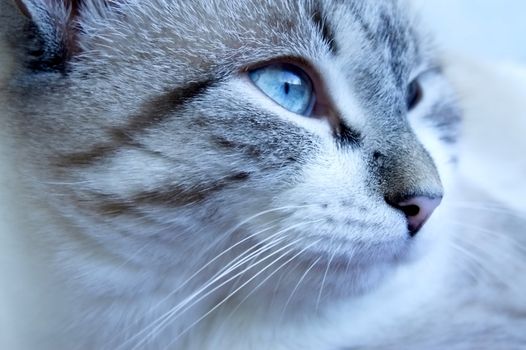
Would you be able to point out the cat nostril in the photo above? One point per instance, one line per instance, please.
(417, 210)
(410, 210)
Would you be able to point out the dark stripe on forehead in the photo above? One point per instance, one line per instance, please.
(389, 31)
(154, 112)
(326, 31)
(358, 15)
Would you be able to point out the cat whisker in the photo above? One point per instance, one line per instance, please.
(241, 259)
(493, 234)
(183, 306)
(273, 298)
(156, 326)
(249, 252)
(296, 287)
(480, 264)
(268, 277)
(246, 283)
(173, 314)
(493, 209)
(488, 203)
(253, 257)
(480, 256)
(283, 276)
(462, 265)
(318, 300)
(224, 252)
(277, 234)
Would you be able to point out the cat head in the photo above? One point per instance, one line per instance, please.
(315, 135)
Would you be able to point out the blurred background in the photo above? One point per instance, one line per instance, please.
(484, 42)
(488, 29)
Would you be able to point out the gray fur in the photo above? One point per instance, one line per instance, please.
(130, 125)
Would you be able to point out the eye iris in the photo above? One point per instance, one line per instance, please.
(287, 85)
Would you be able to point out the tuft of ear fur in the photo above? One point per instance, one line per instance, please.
(50, 32)
(51, 29)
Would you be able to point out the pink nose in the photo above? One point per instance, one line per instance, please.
(417, 210)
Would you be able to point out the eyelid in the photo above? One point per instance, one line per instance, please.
(424, 71)
(293, 60)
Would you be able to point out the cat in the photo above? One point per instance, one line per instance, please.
(244, 175)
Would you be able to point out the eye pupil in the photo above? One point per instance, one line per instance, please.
(414, 94)
(286, 84)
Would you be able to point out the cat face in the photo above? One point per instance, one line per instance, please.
(297, 134)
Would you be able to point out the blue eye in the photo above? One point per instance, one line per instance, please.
(287, 85)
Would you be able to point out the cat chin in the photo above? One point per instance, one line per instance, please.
(315, 279)
(299, 294)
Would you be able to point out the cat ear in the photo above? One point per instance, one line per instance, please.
(52, 32)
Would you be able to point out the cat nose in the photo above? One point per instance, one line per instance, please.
(417, 210)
